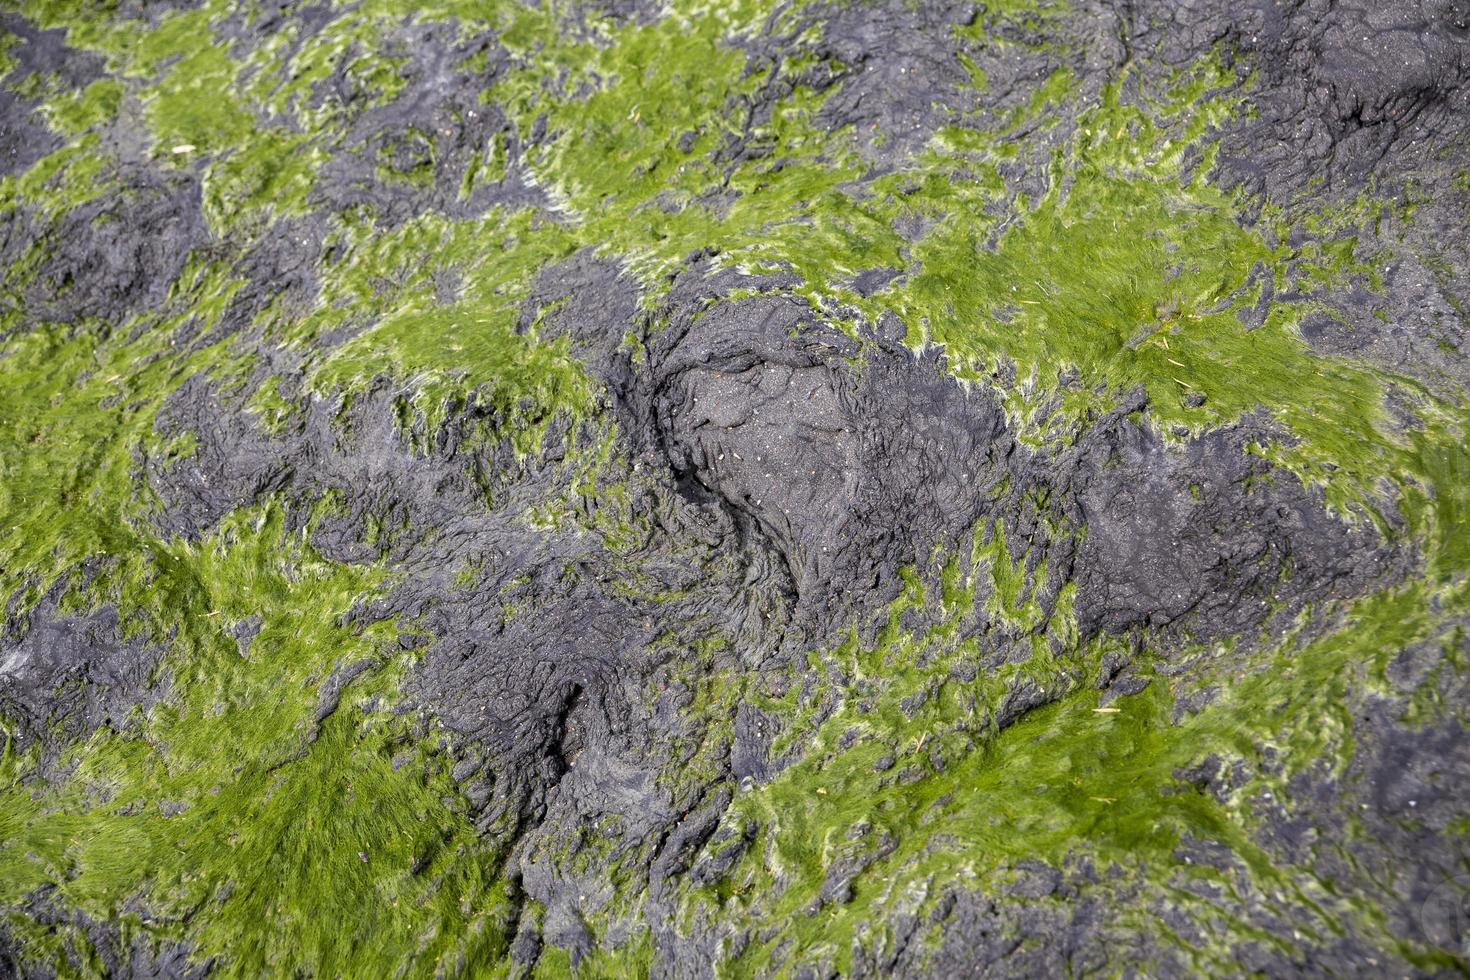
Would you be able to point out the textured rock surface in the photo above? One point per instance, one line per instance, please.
(818, 489)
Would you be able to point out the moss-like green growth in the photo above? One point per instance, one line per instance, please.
(297, 832)
(961, 803)
(281, 829)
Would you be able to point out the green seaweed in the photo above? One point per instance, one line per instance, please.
(1078, 778)
(237, 790)
(277, 842)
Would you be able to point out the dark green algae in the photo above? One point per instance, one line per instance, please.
(227, 817)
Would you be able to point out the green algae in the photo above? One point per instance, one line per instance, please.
(1130, 268)
(78, 112)
(236, 790)
(1078, 779)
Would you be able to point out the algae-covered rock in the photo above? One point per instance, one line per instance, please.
(870, 487)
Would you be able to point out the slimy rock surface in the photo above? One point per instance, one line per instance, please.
(830, 488)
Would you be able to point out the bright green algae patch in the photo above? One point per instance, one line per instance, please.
(1085, 780)
(291, 840)
(228, 816)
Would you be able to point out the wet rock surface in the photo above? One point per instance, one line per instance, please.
(540, 495)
